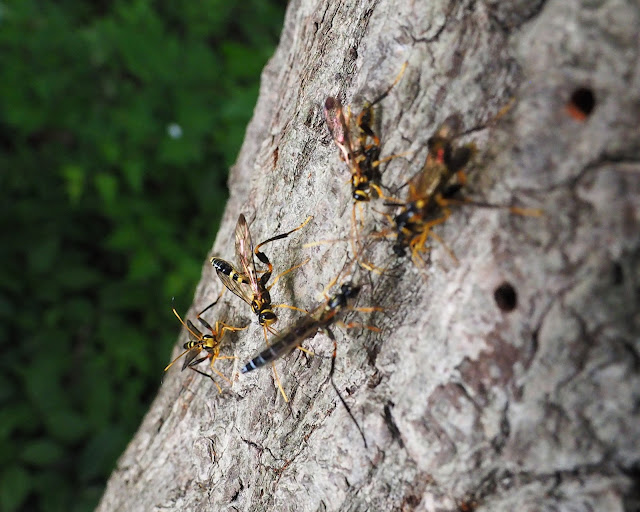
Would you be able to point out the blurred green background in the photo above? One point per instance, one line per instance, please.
(118, 122)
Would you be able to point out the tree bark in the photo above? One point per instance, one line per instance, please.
(464, 400)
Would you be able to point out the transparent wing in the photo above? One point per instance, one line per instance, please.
(425, 183)
(244, 253)
(436, 173)
(239, 288)
(194, 331)
(191, 355)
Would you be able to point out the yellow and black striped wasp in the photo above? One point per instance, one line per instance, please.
(360, 149)
(199, 342)
(358, 144)
(246, 283)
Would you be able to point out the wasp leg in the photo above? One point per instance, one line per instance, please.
(212, 304)
(275, 279)
(290, 307)
(208, 376)
(335, 387)
(263, 257)
(273, 365)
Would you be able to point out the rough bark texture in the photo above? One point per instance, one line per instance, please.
(461, 402)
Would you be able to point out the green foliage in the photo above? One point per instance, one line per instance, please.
(118, 121)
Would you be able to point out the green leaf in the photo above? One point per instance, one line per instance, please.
(77, 277)
(99, 391)
(144, 264)
(66, 426)
(56, 493)
(41, 383)
(74, 177)
(42, 453)
(7, 308)
(134, 174)
(88, 499)
(7, 390)
(124, 237)
(101, 453)
(14, 416)
(79, 312)
(107, 186)
(110, 150)
(15, 486)
(42, 258)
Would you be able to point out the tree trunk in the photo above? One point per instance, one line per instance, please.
(506, 378)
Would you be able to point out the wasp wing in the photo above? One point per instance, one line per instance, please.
(236, 285)
(191, 355)
(193, 330)
(440, 164)
(244, 253)
(427, 182)
(337, 124)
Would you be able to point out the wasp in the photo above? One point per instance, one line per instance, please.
(431, 191)
(434, 189)
(199, 342)
(306, 327)
(359, 145)
(246, 283)
(321, 318)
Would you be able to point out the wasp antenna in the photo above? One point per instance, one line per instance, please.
(172, 362)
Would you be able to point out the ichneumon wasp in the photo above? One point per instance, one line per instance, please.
(434, 189)
(199, 342)
(358, 144)
(431, 191)
(246, 283)
(306, 327)
(319, 319)
(359, 147)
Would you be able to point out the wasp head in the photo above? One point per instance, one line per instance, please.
(349, 290)
(265, 315)
(360, 188)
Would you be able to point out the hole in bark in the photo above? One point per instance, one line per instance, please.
(618, 274)
(631, 501)
(506, 297)
(581, 103)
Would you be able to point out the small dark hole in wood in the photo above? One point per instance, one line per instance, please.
(618, 274)
(506, 297)
(582, 103)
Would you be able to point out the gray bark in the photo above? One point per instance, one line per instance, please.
(462, 403)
